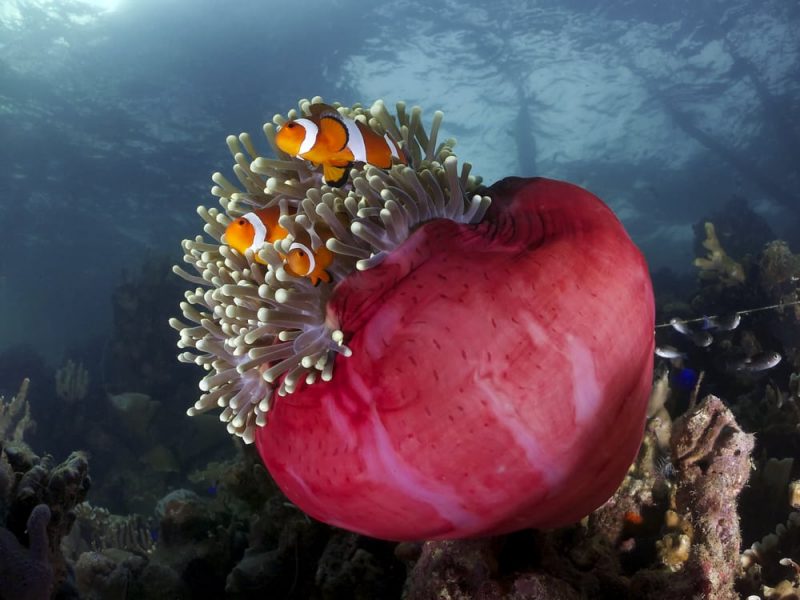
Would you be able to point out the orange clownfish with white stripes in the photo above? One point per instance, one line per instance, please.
(302, 261)
(334, 141)
(252, 230)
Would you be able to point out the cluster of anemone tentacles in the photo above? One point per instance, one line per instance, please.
(257, 329)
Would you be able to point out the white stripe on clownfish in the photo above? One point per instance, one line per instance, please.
(392, 145)
(355, 140)
(310, 138)
(260, 231)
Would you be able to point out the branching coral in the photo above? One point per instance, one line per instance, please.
(256, 328)
(15, 416)
(718, 265)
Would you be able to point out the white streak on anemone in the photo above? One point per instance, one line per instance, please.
(255, 328)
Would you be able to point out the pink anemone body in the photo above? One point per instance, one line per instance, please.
(498, 381)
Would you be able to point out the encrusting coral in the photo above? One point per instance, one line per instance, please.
(712, 456)
(251, 324)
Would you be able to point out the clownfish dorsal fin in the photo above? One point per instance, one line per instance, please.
(321, 109)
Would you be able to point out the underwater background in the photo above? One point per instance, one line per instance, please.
(113, 116)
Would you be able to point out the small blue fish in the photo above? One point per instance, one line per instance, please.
(685, 378)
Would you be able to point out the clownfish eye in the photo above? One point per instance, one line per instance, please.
(241, 222)
(301, 253)
(290, 125)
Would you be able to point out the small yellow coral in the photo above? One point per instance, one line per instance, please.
(718, 265)
(673, 550)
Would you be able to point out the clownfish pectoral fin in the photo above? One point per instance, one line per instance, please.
(336, 175)
(316, 277)
(334, 132)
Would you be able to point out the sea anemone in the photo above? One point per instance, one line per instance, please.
(260, 330)
(479, 361)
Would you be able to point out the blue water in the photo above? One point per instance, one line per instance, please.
(114, 114)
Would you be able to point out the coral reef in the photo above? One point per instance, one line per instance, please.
(244, 540)
(37, 509)
(763, 397)
(670, 531)
(675, 528)
(247, 540)
(712, 465)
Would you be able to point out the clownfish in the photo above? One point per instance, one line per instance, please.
(336, 142)
(252, 230)
(302, 261)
